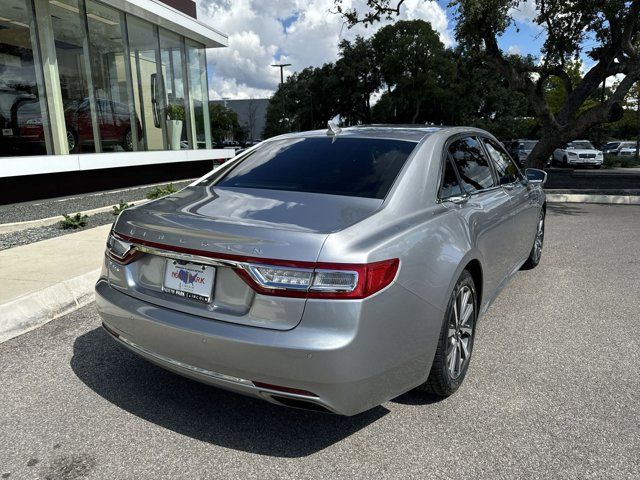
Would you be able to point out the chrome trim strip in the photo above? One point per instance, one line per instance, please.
(216, 262)
(186, 366)
(266, 392)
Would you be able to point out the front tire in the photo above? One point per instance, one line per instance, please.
(455, 343)
(538, 242)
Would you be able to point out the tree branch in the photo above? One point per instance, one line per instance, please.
(554, 71)
(600, 113)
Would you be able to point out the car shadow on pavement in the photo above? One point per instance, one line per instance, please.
(203, 412)
(417, 398)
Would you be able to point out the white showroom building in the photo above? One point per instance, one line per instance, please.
(93, 84)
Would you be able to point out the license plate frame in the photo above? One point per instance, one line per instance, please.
(187, 280)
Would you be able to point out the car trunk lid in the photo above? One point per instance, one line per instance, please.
(232, 223)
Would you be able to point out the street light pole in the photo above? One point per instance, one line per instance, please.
(281, 66)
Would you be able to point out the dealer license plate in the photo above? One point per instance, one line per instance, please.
(189, 280)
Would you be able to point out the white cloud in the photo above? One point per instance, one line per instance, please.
(257, 39)
(514, 50)
(525, 11)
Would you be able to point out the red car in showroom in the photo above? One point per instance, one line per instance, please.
(114, 122)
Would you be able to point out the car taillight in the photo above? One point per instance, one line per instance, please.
(120, 250)
(325, 280)
(280, 277)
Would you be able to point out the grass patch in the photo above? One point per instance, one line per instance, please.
(159, 192)
(117, 209)
(73, 222)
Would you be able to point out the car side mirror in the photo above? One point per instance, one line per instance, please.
(536, 176)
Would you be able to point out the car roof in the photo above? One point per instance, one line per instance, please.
(412, 133)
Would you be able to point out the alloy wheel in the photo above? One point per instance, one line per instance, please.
(460, 335)
(128, 141)
(539, 241)
(71, 141)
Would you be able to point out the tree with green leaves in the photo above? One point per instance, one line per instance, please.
(359, 73)
(305, 101)
(224, 123)
(416, 69)
(612, 28)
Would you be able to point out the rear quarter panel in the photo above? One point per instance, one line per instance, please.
(433, 244)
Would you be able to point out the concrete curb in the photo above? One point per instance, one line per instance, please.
(37, 308)
(589, 198)
(43, 222)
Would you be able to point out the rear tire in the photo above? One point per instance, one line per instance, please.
(127, 141)
(72, 141)
(538, 242)
(455, 343)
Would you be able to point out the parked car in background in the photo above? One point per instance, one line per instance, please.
(326, 270)
(611, 147)
(520, 150)
(626, 149)
(578, 153)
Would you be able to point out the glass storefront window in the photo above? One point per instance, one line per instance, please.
(79, 113)
(118, 83)
(174, 89)
(23, 119)
(147, 87)
(119, 125)
(198, 95)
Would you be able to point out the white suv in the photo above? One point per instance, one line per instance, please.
(578, 152)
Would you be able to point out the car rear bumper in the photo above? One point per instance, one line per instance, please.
(355, 363)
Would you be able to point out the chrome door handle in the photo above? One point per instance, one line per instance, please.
(459, 200)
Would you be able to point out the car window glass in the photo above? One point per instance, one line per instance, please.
(450, 185)
(359, 167)
(505, 168)
(472, 164)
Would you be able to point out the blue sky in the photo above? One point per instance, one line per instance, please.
(305, 33)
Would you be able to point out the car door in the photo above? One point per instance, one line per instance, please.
(487, 210)
(522, 195)
(108, 128)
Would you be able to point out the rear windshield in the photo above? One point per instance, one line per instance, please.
(357, 167)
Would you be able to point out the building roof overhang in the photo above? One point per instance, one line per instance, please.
(174, 20)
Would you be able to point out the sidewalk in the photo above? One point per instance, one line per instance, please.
(47, 279)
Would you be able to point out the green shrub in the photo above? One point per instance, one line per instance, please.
(611, 161)
(614, 161)
(161, 191)
(73, 222)
(117, 209)
(175, 111)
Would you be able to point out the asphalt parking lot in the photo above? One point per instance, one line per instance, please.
(553, 392)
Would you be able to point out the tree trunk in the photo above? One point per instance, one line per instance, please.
(416, 112)
(543, 150)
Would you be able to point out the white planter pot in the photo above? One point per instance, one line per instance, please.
(174, 129)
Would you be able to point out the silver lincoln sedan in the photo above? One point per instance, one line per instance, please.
(328, 270)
